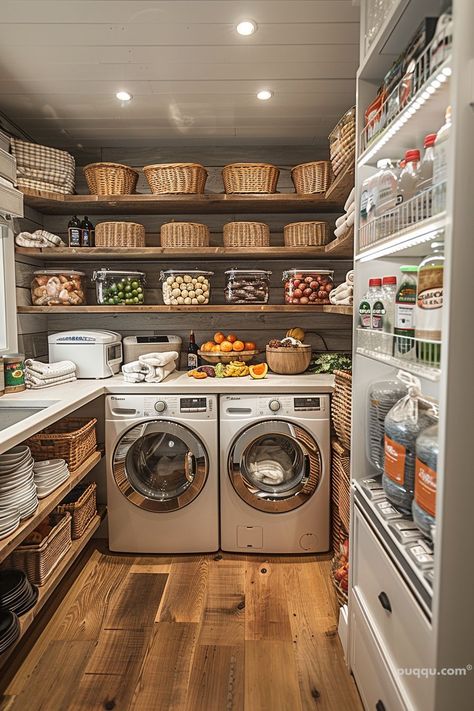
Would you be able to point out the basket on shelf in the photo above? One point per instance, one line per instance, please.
(110, 179)
(340, 593)
(119, 234)
(184, 234)
(341, 462)
(341, 406)
(246, 234)
(310, 178)
(306, 234)
(81, 503)
(342, 142)
(39, 560)
(250, 178)
(338, 531)
(176, 178)
(72, 438)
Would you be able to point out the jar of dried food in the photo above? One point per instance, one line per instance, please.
(247, 286)
(308, 286)
(58, 287)
(186, 288)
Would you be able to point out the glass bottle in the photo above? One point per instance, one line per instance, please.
(405, 304)
(74, 232)
(87, 233)
(429, 305)
(365, 313)
(192, 358)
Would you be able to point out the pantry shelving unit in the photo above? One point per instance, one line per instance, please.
(217, 308)
(399, 619)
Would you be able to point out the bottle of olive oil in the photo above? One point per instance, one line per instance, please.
(74, 232)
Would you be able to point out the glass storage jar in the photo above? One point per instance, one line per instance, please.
(308, 286)
(247, 286)
(58, 287)
(118, 288)
(186, 287)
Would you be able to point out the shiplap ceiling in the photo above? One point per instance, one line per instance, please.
(193, 78)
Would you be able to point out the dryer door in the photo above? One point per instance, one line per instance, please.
(275, 466)
(160, 465)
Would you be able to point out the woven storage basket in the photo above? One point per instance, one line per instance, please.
(341, 462)
(184, 234)
(110, 179)
(40, 559)
(250, 178)
(176, 178)
(246, 234)
(340, 594)
(72, 438)
(341, 406)
(338, 532)
(306, 234)
(312, 177)
(81, 503)
(119, 234)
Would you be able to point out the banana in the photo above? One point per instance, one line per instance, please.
(297, 333)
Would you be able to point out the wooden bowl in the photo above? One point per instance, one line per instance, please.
(289, 361)
(227, 357)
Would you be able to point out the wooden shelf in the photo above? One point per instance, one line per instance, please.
(160, 308)
(46, 590)
(46, 506)
(341, 186)
(216, 203)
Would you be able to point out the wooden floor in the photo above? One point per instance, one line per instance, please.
(187, 633)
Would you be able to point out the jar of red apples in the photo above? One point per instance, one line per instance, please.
(308, 287)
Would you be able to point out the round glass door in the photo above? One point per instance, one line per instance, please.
(160, 466)
(275, 466)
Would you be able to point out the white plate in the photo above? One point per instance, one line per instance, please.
(55, 475)
(24, 466)
(16, 454)
(5, 532)
(49, 464)
(49, 472)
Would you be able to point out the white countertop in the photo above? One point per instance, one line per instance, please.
(62, 400)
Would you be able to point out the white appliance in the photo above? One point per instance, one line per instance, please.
(134, 346)
(97, 354)
(274, 473)
(162, 473)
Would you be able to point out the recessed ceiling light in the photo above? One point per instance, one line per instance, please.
(123, 96)
(246, 27)
(264, 94)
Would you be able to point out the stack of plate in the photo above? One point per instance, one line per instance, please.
(49, 474)
(9, 629)
(17, 594)
(17, 485)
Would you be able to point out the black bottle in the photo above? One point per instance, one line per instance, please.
(193, 359)
(74, 232)
(87, 232)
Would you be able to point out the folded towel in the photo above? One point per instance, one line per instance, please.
(340, 220)
(39, 238)
(26, 239)
(163, 372)
(158, 359)
(37, 383)
(340, 231)
(350, 219)
(350, 209)
(345, 302)
(341, 293)
(350, 199)
(133, 377)
(44, 371)
(151, 367)
(350, 277)
(133, 367)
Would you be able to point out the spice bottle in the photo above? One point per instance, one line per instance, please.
(74, 232)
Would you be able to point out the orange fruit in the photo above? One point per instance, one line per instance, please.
(207, 346)
(226, 346)
(216, 349)
(250, 346)
(231, 337)
(238, 346)
(219, 337)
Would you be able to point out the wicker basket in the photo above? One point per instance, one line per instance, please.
(342, 142)
(306, 234)
(340, 594)
(184, 234)
(341, 462)
(73, 439)
(250, 178)
(341, 406)
(176, 178)
(246, 234)
(309, 178)
(38, 560)
(81, 503)
(119, 234)
(110, 179)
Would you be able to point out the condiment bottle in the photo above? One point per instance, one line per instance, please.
(429, 305)
(193, 358)
(440, 163)
(365, 313)
(389, 290)
(405, 303)
(87, 233)
(74, 232)
(408, 180)
(425, 172)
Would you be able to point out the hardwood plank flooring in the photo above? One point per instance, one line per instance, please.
(224, 632)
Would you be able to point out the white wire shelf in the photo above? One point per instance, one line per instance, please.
(414, 355)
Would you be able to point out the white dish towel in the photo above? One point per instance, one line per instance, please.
(44, 375)
(150, 367)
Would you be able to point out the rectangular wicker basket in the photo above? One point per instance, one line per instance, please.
(341, 463)
(246, 234)
(39, 560)
(72, 438)
(341, 406)
(184, 234)
(119, 234)
(81, 503)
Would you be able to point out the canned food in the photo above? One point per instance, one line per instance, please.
(14, 365)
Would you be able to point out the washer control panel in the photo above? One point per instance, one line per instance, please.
(132, 407)
(276, 405)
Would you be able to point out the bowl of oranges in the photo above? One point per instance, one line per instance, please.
(224, 349)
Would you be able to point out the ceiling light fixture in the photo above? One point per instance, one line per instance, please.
(264, 94)
(246, 27)
(123, 96)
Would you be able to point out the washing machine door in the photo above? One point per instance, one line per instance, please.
(275, 466)
(160, 465)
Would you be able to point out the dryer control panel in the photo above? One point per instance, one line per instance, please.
(311, 407)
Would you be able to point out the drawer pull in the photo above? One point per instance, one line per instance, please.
(385, 602)
(380, 706)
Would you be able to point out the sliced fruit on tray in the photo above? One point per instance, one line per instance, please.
(258, 371)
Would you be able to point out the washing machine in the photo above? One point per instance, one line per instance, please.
(274, 473)
(162, 473)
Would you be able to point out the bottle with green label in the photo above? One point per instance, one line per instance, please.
(365, 314)
(405, 304)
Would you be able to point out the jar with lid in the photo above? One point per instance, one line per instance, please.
(426, 465)
(429, 305)
(118, 288)
(186, 287)
(247, 286)
(308, 287)
(58, 287)
(14, 365)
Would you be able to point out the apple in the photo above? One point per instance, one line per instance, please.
(304, 300)
(297, 293)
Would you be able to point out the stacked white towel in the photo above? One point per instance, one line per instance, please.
(345, 221)
(271, 466)
(150, 367)
(39, 238)
(44, 375)
(342, 295)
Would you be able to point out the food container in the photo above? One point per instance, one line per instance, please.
(289, 361)
(119, 287)
(58, 287)
(308, 287)
(247, 286)
(186, 288)
(14, 365)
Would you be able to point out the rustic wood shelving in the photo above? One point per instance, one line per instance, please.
(218, 308)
